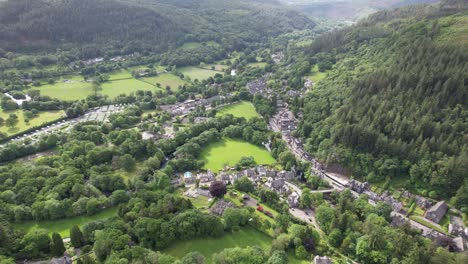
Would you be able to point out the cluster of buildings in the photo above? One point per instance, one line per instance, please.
(285, 121)
(188, 106)
(364, 187)
(270, 178)
(434, 213)
(259, 86)
(277, 57)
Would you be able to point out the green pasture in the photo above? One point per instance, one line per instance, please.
(208, 246)
(67, 91)
(63, 226)
(229, 151)
(242, 109)
(126, 86)
(43, 117)
(197, 72)
(165, 79)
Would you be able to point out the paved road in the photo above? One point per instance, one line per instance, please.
(306, 215)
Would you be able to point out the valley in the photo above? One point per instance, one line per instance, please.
(215, 131)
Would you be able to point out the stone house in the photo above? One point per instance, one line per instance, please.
(436, 212)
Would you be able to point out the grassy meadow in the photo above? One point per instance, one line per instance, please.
(317, 75)
(165, 79)
(70, 91)
(229, 151)
(242, 109)
(257, 65)
(63, 226)
(125, 86)
(197, 72)
(44, 117)
(208, 246)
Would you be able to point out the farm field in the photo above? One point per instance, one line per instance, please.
(70, 91)
(230, 151)
(165, 79)
(245, 237)
(126, 86)
(242, 109)
(197, 73)
(43, 117)
(62, 226)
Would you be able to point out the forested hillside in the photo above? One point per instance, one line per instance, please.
(125, 26)
(394, 107)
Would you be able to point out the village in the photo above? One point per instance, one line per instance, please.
(285, 122)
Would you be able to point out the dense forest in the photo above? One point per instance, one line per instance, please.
(395, 104)
(127, 26)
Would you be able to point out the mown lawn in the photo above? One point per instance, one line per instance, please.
(165, 79)
(43, 117)
(242, 109)
(63, 226)
(422, 221)
(197, 73)
(126, 86)
(230, 151)
(247, 236)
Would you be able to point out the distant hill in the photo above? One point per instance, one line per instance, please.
(348, 9)
(143, 25)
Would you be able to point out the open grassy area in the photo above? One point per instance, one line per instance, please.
(230, 151)
(165, 79)
(422, 221)
(208, 246)
(197, 72)
(43, 117)
(63, 226)
(69, 91)
(243, 109)
(191, 45)
(316, 75)
(119, 75)
(257, 64)
(126, 86)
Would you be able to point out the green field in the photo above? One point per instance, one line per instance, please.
(208, 246)
(71, 91)
(257, 65)
(63, 226)
(230, 151)
(165, 79)
(126, 86)
(316, 75)
(119, 75)
(191, 45)
(197, 72)
(43, 117)
(243, 109)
